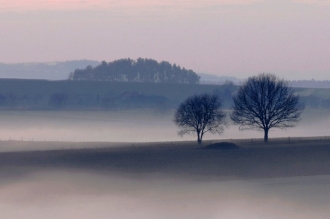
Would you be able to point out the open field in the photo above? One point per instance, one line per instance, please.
(288, 178)
(253, 159)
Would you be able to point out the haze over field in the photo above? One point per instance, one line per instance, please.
(131, 126)
(234, 38)
(41, 178)
(83, 195)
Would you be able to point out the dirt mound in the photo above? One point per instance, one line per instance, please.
(222, 146)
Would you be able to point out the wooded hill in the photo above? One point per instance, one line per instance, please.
(68, 94)
(140, 70)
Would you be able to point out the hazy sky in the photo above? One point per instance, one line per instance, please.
(290, 38)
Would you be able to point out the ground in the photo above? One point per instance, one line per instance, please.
(287, 178)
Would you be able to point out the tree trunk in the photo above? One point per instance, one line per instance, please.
(266, 135)
(199, 137)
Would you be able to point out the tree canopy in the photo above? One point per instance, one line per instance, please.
(264, 102)
(200, 114)
(140, 70)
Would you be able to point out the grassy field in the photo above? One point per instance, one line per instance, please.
(287, 178)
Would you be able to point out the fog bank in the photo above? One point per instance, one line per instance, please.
(67, 194)
(130, 126)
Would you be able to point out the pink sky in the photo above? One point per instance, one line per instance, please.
(230, 37)
(102, 4)
(85, 4)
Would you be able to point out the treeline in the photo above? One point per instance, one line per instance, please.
(310, 83)
(316, 101)
(213, 79)
(68, 94)
(140, 70)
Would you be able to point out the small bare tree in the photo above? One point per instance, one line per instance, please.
(264, 102)
(200, 114)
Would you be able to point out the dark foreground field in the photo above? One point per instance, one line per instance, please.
(181, 159)
(288, 178)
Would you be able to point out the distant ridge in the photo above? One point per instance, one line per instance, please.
(60, 71)
(43, 70)
(310, 83)
(214, 79)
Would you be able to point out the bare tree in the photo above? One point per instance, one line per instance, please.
(264, 102)
(200, 114)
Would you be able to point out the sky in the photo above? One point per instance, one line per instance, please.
(240, 38)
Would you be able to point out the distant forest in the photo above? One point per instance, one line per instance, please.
(310, 83)
(107, 95)
(61, 70)
(140, 70)
(91, 87)
(213, 79)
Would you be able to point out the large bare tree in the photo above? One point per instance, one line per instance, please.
(264, 102)
(200, 114)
